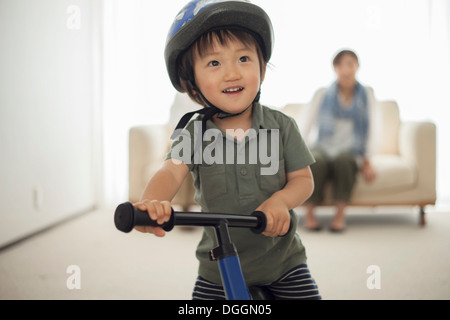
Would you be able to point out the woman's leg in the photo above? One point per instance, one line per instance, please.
(319, 171)
(338, 223)
(345, 171)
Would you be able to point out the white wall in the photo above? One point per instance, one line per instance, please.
(46, 114)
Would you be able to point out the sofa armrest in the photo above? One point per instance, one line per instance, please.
(417, 145)
(147, 147)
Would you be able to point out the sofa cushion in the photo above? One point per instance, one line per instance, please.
(393, 172)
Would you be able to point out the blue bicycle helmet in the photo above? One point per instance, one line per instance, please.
(201, 16)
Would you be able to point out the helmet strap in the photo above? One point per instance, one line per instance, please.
(208, 113)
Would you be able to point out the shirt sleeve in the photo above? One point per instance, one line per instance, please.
(182, 148)
(295, 151)
(374, 123)
(308, 120)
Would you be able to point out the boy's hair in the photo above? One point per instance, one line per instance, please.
(205, 42)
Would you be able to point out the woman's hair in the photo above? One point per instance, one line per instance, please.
(337, 59)
(202, 45)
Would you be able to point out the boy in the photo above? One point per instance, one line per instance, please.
(217, 52)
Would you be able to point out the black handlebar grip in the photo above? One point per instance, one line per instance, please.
(128, 216)
(262, 222)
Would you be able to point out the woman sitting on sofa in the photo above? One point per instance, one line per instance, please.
(341, 117)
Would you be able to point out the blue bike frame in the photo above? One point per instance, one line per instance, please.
(229, 265)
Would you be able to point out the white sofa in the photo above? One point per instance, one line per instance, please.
(405, 162)
(148, 145)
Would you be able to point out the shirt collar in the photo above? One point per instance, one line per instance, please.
(262, 119)
(258, 117)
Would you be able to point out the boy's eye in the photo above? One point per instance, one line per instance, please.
(213, 63)
(244, 59)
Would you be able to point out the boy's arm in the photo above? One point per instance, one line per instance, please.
(298, 189)
(158, 193)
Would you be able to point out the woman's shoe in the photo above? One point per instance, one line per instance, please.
(337, 230)
(315, 229)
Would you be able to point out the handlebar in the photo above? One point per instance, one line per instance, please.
(127, 216)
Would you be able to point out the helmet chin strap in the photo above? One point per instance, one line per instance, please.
(222, 114)
(207, 112)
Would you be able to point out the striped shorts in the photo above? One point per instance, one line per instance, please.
(296, 284)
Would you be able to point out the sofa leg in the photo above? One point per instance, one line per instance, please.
(422, 220)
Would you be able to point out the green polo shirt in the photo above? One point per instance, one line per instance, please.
(236, 177)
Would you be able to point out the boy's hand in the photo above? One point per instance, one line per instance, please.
(159, 211)
(278, 217)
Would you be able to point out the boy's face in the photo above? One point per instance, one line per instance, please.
(228, 75)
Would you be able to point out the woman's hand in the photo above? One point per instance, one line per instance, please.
(278, 217)
(159, 211)
(368, 172)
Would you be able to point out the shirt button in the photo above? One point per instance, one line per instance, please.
(244, 171)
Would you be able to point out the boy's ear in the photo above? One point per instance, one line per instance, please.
(263, 72)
